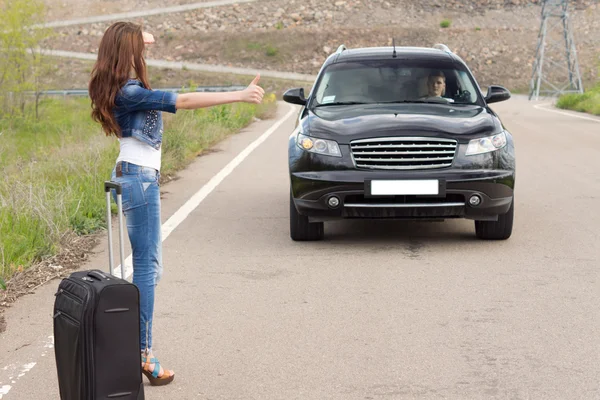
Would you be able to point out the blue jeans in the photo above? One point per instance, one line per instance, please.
(141, 207)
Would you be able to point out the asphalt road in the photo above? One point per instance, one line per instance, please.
(376, 310)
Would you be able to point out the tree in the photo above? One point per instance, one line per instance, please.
(22, 60)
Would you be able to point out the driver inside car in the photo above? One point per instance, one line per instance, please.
(436, 86)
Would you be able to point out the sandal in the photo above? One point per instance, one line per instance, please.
(153, 375)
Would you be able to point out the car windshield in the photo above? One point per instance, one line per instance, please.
(394, 81)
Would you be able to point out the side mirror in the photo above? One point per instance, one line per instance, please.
(295, 96)
(496, 94)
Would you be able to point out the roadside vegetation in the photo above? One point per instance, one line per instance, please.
(588, 102)
(22, 62)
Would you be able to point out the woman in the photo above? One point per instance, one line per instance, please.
(126, 107)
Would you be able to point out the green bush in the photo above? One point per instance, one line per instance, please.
(588, 102)
(445, 23)
(271, 51)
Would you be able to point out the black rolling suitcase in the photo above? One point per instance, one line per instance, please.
(97, 330)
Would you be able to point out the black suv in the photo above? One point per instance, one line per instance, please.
(402, 133)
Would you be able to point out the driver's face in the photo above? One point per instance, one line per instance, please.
(436, 86)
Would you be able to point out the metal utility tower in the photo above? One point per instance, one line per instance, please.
(555, 70)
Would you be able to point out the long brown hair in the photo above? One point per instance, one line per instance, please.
(121, 42)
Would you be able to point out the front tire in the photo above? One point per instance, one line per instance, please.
(300, 228)
(497, 230)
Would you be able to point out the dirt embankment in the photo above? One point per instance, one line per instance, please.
(497, 38)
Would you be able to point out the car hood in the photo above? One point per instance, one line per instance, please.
(345, 123)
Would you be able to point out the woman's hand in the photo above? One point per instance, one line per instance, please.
(253, 93)
(148, 38)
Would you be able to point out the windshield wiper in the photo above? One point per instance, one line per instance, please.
(341, 103)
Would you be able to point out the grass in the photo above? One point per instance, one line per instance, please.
(588, 102)
(246, 49)
(53, 170)
(271, 51)
(254, 46)
(445, 23)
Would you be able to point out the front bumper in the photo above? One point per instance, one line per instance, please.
(312, 190)
(315, 178)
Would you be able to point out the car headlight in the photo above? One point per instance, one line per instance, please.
(486, 144)
(319, 146)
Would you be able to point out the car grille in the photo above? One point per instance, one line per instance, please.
(403, 153)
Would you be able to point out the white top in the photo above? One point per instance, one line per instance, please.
(139, 153)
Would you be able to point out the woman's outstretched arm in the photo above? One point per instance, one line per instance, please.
(252, 94)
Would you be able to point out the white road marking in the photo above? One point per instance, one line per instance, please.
(185, 210)
(26, 369)
(145, 13)
(4, 390)
(48, 344)
(543, 108)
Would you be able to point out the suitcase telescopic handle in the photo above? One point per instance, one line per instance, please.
(108, 185)
(113, 185)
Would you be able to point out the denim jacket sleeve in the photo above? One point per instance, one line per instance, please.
(134, 97)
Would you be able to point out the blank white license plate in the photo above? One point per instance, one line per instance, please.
(405, 187)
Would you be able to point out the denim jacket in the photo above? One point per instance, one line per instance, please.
(137, 111)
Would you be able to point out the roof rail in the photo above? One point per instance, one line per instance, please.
(340, 49)
(442, 47)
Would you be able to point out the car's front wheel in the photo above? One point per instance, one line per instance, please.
(300, 228)
(497, 230)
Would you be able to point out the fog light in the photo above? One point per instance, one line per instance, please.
(475, 200)
(333, 202)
